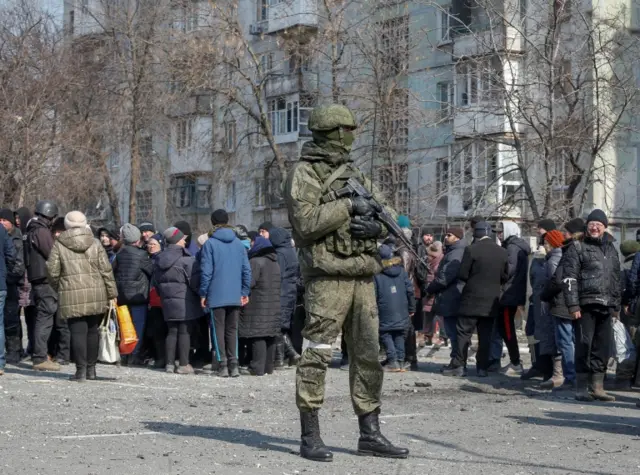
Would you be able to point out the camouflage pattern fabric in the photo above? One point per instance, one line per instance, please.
(334, 303)
(329, 117)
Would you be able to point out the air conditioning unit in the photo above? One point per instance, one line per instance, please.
(258, 28)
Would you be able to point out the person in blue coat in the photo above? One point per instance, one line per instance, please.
(396, 304)
(224, 289)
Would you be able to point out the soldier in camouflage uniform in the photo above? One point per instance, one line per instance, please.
(338, 257)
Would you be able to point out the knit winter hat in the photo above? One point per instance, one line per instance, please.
(267, 225)
(219, 216)
(130, 233)
(576, 225)
(598, 216)
(7, 215)
(547, 225)
(184, 227)
(475, 220)
(75, 219)
(146, 226)
(403, 221)
(629, 247)
(385, 252)
(554, 238)
(173, 235)
(457, 232)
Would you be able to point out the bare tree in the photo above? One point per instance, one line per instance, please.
(553, 87)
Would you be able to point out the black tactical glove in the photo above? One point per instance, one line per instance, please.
(362, 228)
(360, 206)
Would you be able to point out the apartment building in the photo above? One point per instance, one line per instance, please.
(446, 142)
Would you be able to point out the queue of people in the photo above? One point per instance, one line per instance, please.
(225, 302)
(218, 303)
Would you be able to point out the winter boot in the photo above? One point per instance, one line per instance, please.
(311, 445)
(14, 349)
(279, 360)
(372, 442)
(91, 373)
(531, 373)
(557, 379)
(234, 370)
(223, 371)
(289, 351)
(80, 376)
(597, 384)
(582, 388)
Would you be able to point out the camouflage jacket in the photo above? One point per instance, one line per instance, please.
(321, 230)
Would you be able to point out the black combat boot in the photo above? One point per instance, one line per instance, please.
(14, 349)
(372, 442)
(91, 373)
(289, 351)
(311, 445)
(278, 364)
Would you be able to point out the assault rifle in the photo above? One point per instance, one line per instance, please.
(355, 188)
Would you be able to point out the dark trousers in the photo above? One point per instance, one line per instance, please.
(200, 340)
(451, 329)
(411, 344)
(84, 340)
(594, 333)
(465, 326)
(139, 320)
(507, 329)
(46, 303)
(224, 329)
(393, 342)
(343, 348)
(12, 325)
(263, 351)
(59, 344)
(244, 351)
(156, 334)
(179, 334)
(30, 313)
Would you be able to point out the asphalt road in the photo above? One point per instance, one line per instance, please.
(138, 421)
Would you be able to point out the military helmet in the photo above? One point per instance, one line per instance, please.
(331, 117)
(47, 208)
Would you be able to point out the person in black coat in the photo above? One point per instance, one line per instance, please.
(289, 274)
(176, 277)
(132, 269)
(260, 319)
(484, 270)
(591, 278)
(447, 287)
(396, 304)
(514, 292)
(14, 278)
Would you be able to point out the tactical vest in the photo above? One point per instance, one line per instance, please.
(340, 242)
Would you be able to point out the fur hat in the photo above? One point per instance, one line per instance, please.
(435, 249)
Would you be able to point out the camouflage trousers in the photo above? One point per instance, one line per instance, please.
(332, 304)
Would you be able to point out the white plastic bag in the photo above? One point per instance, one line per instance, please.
(108, 334)
(625, 349)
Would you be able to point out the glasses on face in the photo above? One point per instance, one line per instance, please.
(595, 225)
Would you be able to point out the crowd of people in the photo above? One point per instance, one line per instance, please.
(222, 302)
(230, 302)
